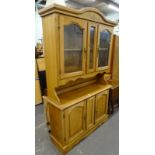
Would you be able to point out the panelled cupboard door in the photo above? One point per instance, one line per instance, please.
(91, 46)
(72, 46)
(101, 106)
(104, 47)
(90, 112)
(75, 121)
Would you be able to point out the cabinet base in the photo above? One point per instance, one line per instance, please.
(66, 148)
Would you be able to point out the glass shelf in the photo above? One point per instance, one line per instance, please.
(73, 49)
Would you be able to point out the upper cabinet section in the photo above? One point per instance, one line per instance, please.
(77, 43)
(72, 46)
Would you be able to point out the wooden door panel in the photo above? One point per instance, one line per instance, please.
(75, 121)
(90, 112)
(101, 106)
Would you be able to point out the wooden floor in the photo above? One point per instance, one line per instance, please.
(104, 141)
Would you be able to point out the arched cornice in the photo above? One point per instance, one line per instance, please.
(88, 13)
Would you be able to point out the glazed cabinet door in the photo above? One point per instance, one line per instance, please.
(104, 47)
(75, 117)
(91, 46)
(72, 46)
(90, 112)
(101, 106)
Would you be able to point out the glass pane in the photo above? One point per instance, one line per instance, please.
(73, 45)
(91, 52)
(104, 48)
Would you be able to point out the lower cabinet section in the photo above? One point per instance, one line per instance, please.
(70, 125)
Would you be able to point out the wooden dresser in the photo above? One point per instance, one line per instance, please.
(78, 48)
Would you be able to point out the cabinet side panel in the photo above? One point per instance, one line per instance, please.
(56, 123)
(115, 67)
(50, 47)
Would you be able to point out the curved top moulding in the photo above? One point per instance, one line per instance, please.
(85, 13)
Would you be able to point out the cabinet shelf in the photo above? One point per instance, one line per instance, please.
(103, 49)
(73, 49)
(77, 95)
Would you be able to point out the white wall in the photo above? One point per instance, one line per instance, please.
(38, 28)
(114, 17)
(38, 22)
